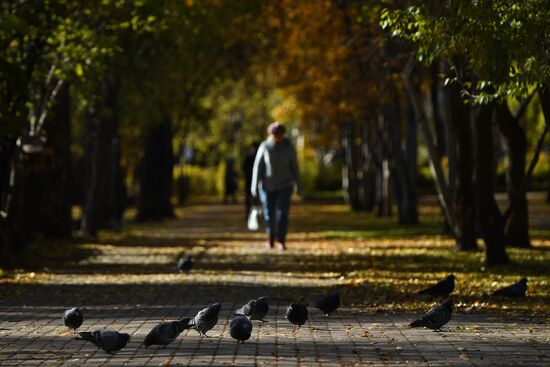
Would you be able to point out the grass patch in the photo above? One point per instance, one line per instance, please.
(540, 234)
(399, 232)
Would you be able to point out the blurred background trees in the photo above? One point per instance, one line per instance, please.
(106, 105)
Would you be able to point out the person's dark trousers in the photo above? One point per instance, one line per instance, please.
(276, 205)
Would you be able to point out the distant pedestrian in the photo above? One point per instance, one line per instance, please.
(274, 176)
(230, 181)
(248, 167)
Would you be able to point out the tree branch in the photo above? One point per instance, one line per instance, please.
(45, 108)
(523, 106)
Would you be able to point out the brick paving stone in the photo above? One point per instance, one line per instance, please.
(31, 333)
(332, 341)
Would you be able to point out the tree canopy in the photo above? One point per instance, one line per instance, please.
(505, 42)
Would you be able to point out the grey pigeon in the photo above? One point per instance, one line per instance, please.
(255, 309)
(72, 318)
(207, 318)
(185, 263)
(516, 290)
(328, 303)
(436, 317)
(240, 328)
(442, 288)
(108, 340)
(166, 332)
(297, 314)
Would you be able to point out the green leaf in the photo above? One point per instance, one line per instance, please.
(79, 70)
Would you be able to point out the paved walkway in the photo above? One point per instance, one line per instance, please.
(128, 284)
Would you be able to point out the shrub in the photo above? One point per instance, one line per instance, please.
(200, 181)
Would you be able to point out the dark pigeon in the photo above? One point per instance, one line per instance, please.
(240, 328)
(72, 318)
(255, 309)
(436, 317)
(108, 340)
(297, 314)
(185, 263)
(207, 318)
(247, 309)
(516, 290)
(443, 288)
(328, 304)
(166, 332)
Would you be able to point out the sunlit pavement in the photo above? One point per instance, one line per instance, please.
(129, 285)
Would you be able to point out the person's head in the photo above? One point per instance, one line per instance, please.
(276, 131)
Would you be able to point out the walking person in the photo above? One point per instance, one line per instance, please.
(248, 167)
(273, 178)
(230, 181)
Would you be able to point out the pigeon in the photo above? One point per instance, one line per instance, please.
(72, 318)
(206, 318)
(516, 290)
(108, 340)
(297, 314)
(328, 303)
(240, 328)
(184, 264)
(436, 317)
(441, 288)
(255, 309)
(166, 332)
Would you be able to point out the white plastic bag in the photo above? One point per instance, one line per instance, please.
(252, 223)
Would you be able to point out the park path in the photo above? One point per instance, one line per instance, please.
(126, 282)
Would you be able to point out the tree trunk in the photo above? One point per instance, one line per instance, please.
(358, 179)
(19, 235)
(383, 197)
(451, 144)
(102, 182)
(490, 221)
(442, 188)
(359, 162)
(41, 191)
(544, 97)
(401, 176)
(7, 151)
(464, 199)
(412, 166)
(517, 226)
(7, 240)
(349, 181)
(56, 218)
(368, 169)
(438, 96)
(88, 224)
(532, 164)
(156, 175)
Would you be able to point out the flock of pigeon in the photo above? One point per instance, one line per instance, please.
(240, 327)
(440, 314)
